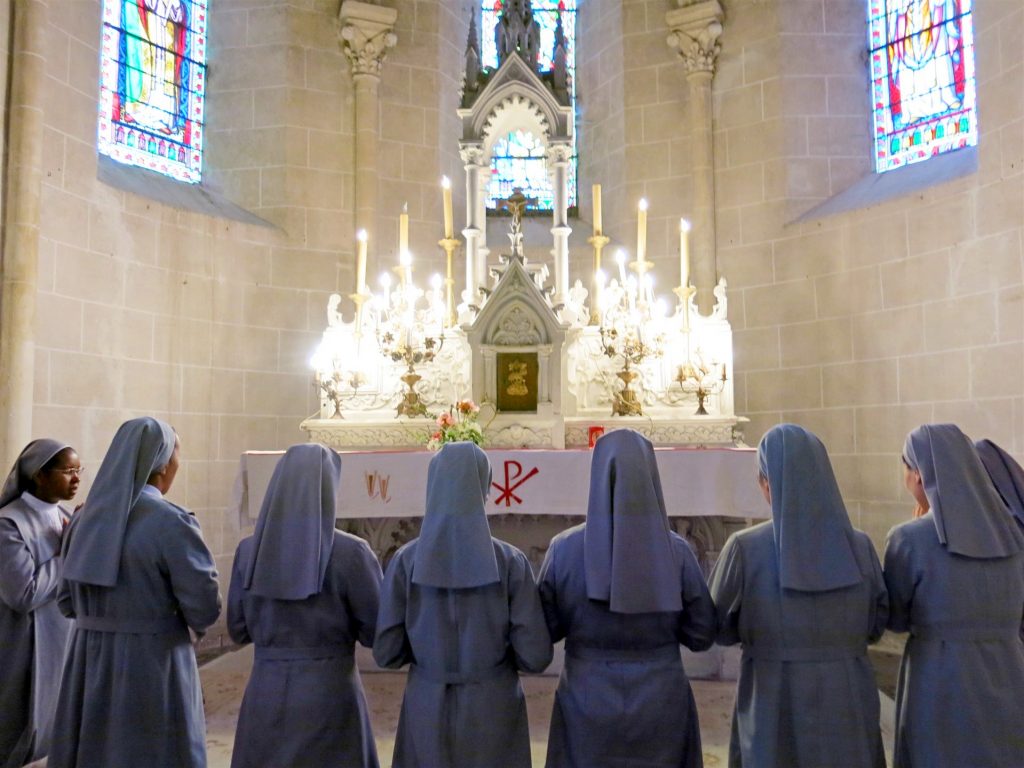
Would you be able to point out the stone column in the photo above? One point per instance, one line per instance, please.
(366, 34)
(559, 156)
(694, 30)
(21, 235)
(473, 157)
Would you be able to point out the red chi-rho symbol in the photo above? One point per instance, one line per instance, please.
(514, 478)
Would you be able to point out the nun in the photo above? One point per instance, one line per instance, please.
(624, 592)
(33, 632)
(137, 576)
(303, 593)
(462, 608)
(804, 595)
(956, 584)
(1006, 475)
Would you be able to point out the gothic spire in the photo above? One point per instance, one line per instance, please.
(472, 79)
(517, 32)
(559, 57)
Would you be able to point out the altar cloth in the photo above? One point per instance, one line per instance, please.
(696, 482)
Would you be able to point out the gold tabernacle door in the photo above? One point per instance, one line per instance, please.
(517, 381)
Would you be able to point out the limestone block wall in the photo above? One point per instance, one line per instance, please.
(419, 93)
(208, 323)
(864, 324)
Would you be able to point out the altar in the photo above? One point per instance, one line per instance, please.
(534, 494)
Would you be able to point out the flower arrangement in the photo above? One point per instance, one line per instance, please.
(459, 424)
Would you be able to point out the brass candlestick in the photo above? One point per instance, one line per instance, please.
(598, 241)
(359, 299)
(684, 292)
(449, 244)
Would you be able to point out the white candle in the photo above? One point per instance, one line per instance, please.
(403, 230)
(684, 253)
(596, 190)
(620, 259)
(449, 221)
(405, 261)
(641, 231)
(361, 261)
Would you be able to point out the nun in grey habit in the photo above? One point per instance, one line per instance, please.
(33, 632)
(303, 593)
(137, 576)
(804, 594)
(1006, 475)
(624, 591)
(462, 608)
(956, 584)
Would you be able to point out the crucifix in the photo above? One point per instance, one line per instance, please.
(515, 204)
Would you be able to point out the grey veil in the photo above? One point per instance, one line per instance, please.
(970, 518)
(813, 535)
(294, 535)
(1007, 476)
(29, 461)
(140, 447)
(454, 550)
(627, 551)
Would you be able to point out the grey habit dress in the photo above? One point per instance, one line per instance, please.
(956, 584)
(624, 592)
(137, 576)
(304, 593)
(33, 632)
(462, 608)
(804, 594)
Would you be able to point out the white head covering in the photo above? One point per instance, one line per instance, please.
(813, 535)
(627, 551)
(140, 447)
(29, 461)
(1007, 476)
(295, 531)
(455, 550)
(970, 517)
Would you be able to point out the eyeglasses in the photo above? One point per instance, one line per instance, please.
(71, 471)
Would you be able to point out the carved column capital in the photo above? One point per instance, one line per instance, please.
(367, 32)
(472, 155)
(559, 153)
(694, 29)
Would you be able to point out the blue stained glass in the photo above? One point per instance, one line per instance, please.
(152, 85)
(518, 159)
(923, 86)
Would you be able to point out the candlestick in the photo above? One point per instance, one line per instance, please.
(403, 230)
(641, 231)
(598, 242)
(684, 253)
(405, 262)
(596, 191)
(449, 221)
(361, 262)
(620, 259)
(449, 244)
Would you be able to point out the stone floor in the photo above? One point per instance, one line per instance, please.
(224, 681)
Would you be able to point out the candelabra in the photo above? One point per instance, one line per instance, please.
(702, 379)
(409, 333)
(631, 330)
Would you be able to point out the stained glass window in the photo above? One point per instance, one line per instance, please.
(518, 159)
(922, 72)
(152, 85)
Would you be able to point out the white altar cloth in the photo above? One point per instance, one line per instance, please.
(696, 482)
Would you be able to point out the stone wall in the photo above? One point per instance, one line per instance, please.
(864, 324)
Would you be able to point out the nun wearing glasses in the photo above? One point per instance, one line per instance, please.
(956, 582)
(804, 595)
(462, 608)
(33, 632)
(303, 594)
(137, 577)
